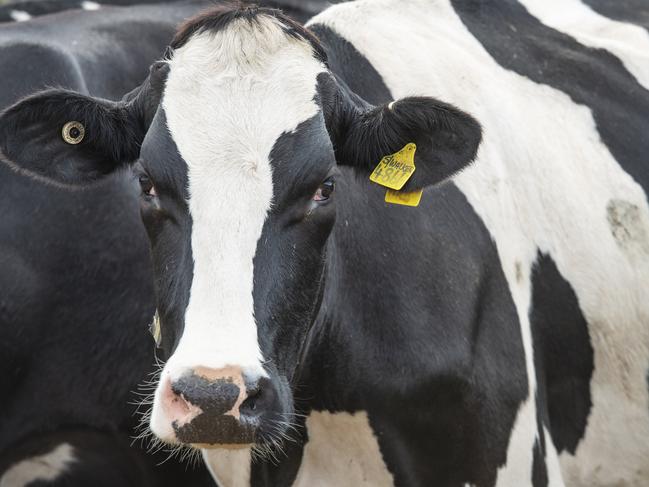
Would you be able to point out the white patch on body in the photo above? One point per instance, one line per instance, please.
(228, 97)
(230, 468)
(552, 464)
(88, 5)
(343, 451)
(543, 179)
(630, 43)
(42, 468)
(19, 15)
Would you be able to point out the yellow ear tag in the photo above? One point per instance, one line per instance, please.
(408, 198)
(394, 170)
(155, 330)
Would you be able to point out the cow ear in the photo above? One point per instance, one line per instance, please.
(446, 138)
(69, 137)
(73, 138)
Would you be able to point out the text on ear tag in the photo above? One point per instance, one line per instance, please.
(394, 170)
(407, 198)
(73, 132)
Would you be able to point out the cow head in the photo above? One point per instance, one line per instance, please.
(238, 194)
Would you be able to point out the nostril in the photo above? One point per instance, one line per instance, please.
(251, 402)
(178, 408)
(259, 398)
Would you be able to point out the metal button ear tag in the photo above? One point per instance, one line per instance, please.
(73, 132)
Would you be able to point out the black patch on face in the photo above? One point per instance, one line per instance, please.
(591, 77)
(632, 11)
(563, 352)
(169, 225)
(289, 261)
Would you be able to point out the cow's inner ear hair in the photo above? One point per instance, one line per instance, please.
(447, 138)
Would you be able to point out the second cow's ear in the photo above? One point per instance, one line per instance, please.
(73, 138)
(69, 137)
(445, 138)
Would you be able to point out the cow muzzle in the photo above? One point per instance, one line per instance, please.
(217, 407)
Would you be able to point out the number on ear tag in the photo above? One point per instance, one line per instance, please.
(394, 170)
(407, 198)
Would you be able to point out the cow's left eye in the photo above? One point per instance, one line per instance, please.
(325, 190)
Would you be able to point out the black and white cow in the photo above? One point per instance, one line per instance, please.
(495, 335)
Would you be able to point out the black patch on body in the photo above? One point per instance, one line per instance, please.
(75, 303)
(563, 352)
(425, 338)
(539, 467)
(76, 300)
(632, 11)
(352, 67)
(591, 77)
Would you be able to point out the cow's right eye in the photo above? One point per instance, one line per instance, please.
(147, 185)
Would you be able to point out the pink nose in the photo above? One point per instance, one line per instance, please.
(214, 406)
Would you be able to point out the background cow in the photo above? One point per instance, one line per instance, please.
(495, 335)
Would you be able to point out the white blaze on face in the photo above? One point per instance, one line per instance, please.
(229, 96)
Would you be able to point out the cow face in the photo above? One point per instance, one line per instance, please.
(238, 173)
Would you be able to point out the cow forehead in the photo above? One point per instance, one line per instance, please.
(230, 94)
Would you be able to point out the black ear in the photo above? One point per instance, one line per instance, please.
(69, 137)
(73, 138)
(446, 138)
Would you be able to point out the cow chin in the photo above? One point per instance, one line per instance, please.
(222, 408)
